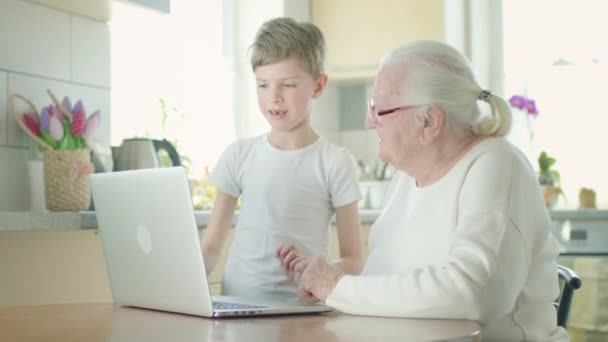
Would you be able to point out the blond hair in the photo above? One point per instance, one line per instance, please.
(283, 38)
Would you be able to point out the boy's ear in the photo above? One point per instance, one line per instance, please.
(320, 84)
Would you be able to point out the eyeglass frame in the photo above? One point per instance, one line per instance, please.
(372, 114)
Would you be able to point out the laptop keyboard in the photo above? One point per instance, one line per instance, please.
(232, 306)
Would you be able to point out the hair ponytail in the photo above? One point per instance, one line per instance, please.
(498, 123)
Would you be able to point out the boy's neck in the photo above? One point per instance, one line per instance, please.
(293, 140)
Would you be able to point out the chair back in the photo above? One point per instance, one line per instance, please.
(569, 281)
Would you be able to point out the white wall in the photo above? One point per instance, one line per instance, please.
(249, 17)
(46, 48)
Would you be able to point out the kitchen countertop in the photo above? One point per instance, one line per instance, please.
(25, 220)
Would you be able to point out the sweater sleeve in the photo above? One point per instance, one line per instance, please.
(451, 289)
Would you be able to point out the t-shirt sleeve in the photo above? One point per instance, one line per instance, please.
(451, 289)
(343, 183)
(225, 175)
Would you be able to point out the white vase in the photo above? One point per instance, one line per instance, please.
(36, 181)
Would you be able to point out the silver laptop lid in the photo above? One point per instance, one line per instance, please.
(150, 240)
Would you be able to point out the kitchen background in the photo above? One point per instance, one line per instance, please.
(180, 71)
(197, 90)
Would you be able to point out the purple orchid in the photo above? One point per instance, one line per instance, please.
(531, 108)
(523, 103)
(517, 101)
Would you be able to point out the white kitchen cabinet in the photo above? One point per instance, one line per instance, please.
(359, 32)
(52, 267)
(67, 266)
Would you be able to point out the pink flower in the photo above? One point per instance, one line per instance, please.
(56, 127)
(78, 124)
(54, 111)
(32, 123)
(92, 126)
(78, 108)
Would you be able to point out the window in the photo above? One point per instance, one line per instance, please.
(171, 78)
(555, 54)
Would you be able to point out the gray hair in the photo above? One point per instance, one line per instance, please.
(282, 38)
(439, 74)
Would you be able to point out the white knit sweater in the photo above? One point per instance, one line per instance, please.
(475, 245)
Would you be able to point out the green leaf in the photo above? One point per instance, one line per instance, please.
(46, 137)
(555, 176)
(71, 141)
(63, 144)
(80, 143)
(547, 174)
(545, 162)
(67, 135)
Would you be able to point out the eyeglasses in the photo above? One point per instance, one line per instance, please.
(372, 114)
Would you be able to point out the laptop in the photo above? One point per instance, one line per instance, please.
(152, 249)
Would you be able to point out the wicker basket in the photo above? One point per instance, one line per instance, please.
(66, 179)
(66, 172)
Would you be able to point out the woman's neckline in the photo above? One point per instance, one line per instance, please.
(462, 156)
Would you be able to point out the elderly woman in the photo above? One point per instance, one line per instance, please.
(465, 233)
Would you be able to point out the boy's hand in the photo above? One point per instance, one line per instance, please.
(293, 263)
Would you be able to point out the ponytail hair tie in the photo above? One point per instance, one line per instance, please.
(485, 96)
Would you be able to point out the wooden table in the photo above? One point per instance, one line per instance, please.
(108, 323)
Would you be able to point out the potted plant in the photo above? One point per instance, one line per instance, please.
(64, 133)
(549, 179)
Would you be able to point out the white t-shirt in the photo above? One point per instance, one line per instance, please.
(287, 196)
(475, 245)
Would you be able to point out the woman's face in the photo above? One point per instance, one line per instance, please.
(398, 127)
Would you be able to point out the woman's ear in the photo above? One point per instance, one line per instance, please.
(433, 123)
(320, 84)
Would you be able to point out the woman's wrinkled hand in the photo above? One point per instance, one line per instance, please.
(317, 280)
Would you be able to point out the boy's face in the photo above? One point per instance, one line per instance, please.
(285, 93)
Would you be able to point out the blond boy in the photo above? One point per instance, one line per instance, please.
(290, 180)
